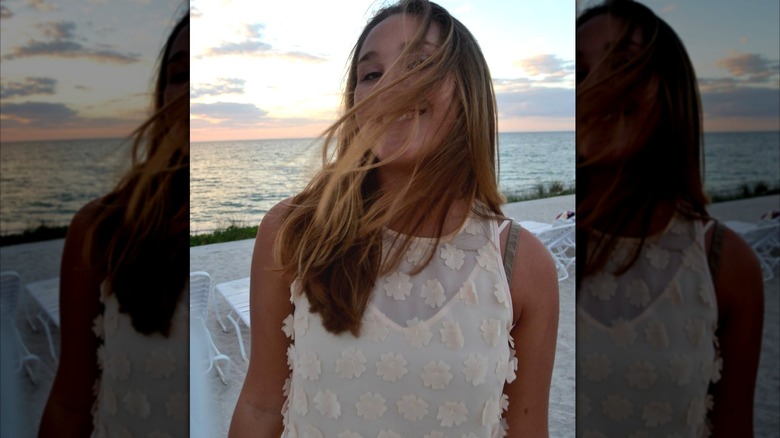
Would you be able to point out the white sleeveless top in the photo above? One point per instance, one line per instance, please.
(432, 357)
(143, 390)
(646, 344)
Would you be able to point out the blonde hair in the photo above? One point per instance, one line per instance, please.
(331, 239)
(662, 159)
(139, 233)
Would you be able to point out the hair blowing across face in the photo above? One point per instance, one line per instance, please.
(139, 237)
(331, 240)
(659, 158)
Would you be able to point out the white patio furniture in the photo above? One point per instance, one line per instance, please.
(559, 238)
(9, 298)
(764, 238)
(236, 294)
(200, 285)
(46, 294)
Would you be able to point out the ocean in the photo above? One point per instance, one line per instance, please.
(238, 181)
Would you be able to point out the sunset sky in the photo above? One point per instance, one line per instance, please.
(79, 68)
(735, 49)
(275, 69)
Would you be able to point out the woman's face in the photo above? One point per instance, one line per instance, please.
(380, 50)
(597, 54)
(178, 67)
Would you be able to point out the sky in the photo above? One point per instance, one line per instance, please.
(79, 68)
(272, 69)
(735, 50)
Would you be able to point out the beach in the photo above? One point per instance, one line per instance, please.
(231, 260)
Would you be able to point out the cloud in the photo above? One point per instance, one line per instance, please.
(254, 46)
(751, 102)
(549, 66)
(61, 42)
(5, 12)
(516, 98)
(58, 29)
(29, 87)
(37, 114)
(238, 114)
(223, 86)
(749, 66)
(40, 5)
(248, 47)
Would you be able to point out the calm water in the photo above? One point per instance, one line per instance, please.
(239, 181)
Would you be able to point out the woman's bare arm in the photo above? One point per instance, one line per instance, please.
(258, 411)
(739, 287)
(68, 411)
(535, 303)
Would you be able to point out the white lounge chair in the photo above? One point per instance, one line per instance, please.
(559, 238)
(46, 294)
(9, 293)
(236, 294)
(764, 238)
(200, 286)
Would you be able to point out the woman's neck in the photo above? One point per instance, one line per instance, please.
(635, 214)
(394, 182)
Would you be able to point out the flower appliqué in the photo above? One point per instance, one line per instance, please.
(287, 327)
(178, 406)
(638, 293)
(655, 331)
(433, 293)
(500, 295)
(351, 364)
(596, 367)
(487, 259)
(412, 408)
(451, 335)
(657, 414)
(97, 327)
(491, 413)
(468, 293)
(374, 330)
(641, 375)
(617, 407)
(436, 375)
(452, 413)
(659, 257)
(417, 334)
(434, 434)
(473, 227)
(370, 406)
(603, 286)
(136, 404)
(475, 369)
(108, 399)
(349, 434)
(118, 366)
(391, 367)
(491, 330)
(415, 252)
(388, 434)
(300, 324)
(453, 257)
(309, 366)
(695, 330)
(161, 363)
(327, 404)
(622, 333)
(300, 402)
(397, 286)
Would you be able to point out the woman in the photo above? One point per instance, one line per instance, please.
(382, 284)
(123, 368)
(668, 334)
